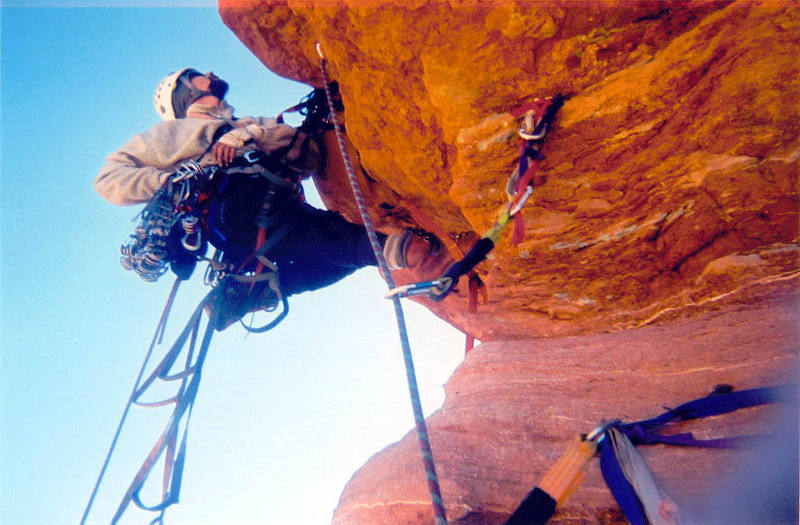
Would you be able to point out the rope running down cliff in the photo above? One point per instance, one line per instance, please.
(419, 417)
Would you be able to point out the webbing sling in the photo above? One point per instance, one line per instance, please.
(183, 402)
(644, 433)
(157, 336)
(521, 190)
(529, 160)
(620, 487)
(540, 504)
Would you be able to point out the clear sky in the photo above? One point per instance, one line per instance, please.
(283, 419)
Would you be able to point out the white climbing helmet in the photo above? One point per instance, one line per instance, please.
(162, 100)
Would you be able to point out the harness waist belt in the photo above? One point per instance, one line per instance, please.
(263, 164)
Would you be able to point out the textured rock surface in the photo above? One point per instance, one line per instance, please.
(670, 208)
(679, 146)
(513, 407)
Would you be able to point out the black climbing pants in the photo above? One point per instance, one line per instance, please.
(320, 248)
(311, 247)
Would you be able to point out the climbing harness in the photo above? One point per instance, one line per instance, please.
(623, 469)
(256, 289)
(419, 417)
(538, 116)
(191, 210)
(173, 232)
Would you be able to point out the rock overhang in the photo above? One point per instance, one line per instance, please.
(671, 199)
(677, 148)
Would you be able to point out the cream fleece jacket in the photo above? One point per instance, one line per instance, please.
(133, 174)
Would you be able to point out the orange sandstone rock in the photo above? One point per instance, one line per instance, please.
(512, 408)
(670, 208)
(678, 146)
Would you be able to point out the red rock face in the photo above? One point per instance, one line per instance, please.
(670, 199)
(512, 408)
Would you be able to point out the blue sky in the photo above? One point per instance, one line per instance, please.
(282, 420)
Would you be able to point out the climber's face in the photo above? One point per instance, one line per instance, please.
(210, 83)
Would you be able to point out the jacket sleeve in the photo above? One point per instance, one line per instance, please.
(129, 175)
(296, 149)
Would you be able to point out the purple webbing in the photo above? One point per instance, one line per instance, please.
(419, 417)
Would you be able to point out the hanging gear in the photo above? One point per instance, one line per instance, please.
(188, 381)
(167, 234)
(240, 210)
(539, 116)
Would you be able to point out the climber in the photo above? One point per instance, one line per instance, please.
(252, 206)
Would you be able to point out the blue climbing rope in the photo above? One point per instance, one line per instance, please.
(419, 417)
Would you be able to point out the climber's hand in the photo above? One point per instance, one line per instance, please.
(223, 154)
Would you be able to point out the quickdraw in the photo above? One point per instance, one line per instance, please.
(538, 117)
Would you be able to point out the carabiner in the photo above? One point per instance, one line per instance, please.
(598, 434)
(528, 130)
(252, 156)
(525, 196)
